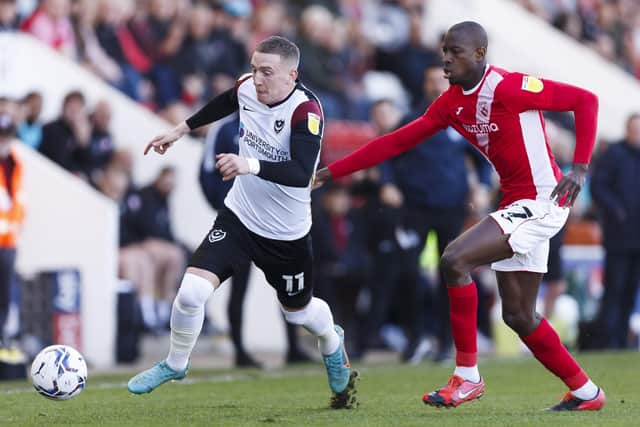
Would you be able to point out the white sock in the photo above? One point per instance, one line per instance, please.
(148, 309)
(187, 316)
(586, 392)
(316, 318)
(468, 373)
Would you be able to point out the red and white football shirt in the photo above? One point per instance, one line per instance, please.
(502, 118)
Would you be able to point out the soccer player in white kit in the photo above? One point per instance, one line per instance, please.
(267, 214)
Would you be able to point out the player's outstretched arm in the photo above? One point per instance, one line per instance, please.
(162, 143)
(390, 145)
(219, 107)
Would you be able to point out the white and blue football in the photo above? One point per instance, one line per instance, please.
(59, 372)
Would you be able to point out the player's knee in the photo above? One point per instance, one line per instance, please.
(520, 322)
(452, 264)
(297, 317)
(316, 308)
(194, 292)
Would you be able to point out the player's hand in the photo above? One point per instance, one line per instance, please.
(570, 185)
(231, 165)
(323, 175)
(162, 143)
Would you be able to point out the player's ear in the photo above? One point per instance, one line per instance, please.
(293, 74)
(481, 52)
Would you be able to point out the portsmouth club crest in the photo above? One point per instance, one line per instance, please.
(278, 125)
(216, 235)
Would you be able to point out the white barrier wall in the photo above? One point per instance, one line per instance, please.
(26, 64)
(520, 41)
(70, 225)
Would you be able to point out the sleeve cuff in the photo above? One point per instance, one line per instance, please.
(254, 166)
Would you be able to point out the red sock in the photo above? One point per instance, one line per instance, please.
(545, 345)
(463, 303)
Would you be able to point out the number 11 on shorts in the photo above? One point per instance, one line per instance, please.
(291, 290)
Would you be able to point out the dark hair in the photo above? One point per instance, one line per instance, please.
(31, 95)
(280, 46)
(74, 95)
(166, 170)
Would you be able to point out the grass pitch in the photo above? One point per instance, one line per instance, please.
(390, 395)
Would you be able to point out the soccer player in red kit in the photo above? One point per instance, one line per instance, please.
(499, 112)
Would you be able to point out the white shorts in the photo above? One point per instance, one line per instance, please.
(530, 224)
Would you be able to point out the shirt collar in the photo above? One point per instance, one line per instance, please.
(473, 89)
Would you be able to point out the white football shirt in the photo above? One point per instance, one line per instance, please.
(269, 209)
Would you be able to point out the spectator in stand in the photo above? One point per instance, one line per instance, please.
(230, 36)
(64, 139)
(298, 6)
(614, 187)
(321, 69)
(159, 29)
(94, 157)
(332, 64)
(608, 27)
(151, 264)
(410, 60)
(271, 19)
(89, 52)
(51, 23)
(11, 210)
(116, 40)
(155, 206)
(30, 128)
(8, 15)
(213, 55)
(147, 220)
(134, 263)
(382, 222)
(340, 256)
(197, 56)
(385, 24)
(569, 23)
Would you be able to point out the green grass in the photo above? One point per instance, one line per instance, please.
(390, 395)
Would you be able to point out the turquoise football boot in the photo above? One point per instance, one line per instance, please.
(342, 380)
(149, 380)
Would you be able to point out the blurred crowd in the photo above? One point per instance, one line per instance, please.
(610, 27)
(377, 235)
(172, 55)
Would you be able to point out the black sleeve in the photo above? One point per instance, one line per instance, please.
(306, 134)
(219, 107)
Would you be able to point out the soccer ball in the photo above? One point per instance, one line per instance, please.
(59, 372)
